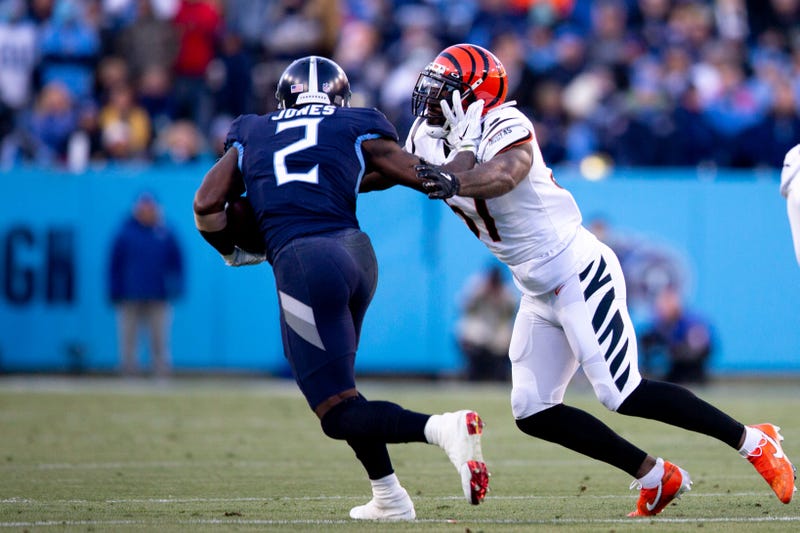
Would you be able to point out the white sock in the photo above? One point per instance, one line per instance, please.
(432, 429)
(653, 477)
(386, 488)
(752, 438)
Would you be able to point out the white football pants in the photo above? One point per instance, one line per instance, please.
(584, 322)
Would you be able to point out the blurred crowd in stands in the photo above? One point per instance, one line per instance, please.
(642, 82)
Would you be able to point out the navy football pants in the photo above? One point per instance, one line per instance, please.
(325, 284)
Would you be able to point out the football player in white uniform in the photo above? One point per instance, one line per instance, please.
(790, 189)
(573, 311)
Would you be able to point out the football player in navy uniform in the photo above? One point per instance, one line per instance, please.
(301, 167)
(573, 311)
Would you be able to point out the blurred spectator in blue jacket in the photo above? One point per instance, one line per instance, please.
(228, 77)
(145, 276)
(54, 119)
(681, 339)
(70, 48)
(767, 143)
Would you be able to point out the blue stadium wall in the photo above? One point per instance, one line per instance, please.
(56, 229)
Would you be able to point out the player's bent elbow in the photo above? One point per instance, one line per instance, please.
(205, 204)
(200, 205)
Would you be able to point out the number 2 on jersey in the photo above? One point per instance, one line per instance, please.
(282, 174)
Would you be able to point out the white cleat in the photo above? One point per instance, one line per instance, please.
(400, 507)
(459, 435)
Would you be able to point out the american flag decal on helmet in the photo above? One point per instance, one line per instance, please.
(297, 88)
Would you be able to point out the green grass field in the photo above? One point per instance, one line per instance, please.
(247, 455)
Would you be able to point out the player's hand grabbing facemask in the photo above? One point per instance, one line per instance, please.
(463, 127)
(437, 183)
(241, 257)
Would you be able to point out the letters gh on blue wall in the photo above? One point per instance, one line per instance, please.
(56, 229)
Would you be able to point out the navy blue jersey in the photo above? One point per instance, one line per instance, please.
(302, 167)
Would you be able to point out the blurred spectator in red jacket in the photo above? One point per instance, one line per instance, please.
(198, 24)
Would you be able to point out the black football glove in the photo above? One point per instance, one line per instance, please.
(437, 183)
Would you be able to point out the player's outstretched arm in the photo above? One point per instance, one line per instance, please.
(388, 165)
(493, 178)
(375, 181)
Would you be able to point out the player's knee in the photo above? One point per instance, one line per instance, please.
(605, 390)
(609, 396)
(337, 422)
(542, 424)
(525, 401)
(331, 424)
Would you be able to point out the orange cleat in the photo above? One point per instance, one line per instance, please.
(674, 482)
(773, 465)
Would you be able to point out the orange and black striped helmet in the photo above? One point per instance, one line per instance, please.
(473, 70)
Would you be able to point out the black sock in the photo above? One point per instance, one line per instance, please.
(357, 418)
(678, 406)
(369, 426)
(374, 456)
(581, 432)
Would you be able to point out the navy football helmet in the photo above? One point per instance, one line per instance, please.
(313, 80)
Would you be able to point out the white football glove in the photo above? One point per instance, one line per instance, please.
(241, 257)
(463, 127)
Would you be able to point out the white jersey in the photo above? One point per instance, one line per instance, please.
(791, 168)
(535, 229)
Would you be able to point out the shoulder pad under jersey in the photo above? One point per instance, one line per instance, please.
(503, 128)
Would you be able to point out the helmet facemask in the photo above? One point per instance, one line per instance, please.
(430, 90)
(473, 70)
